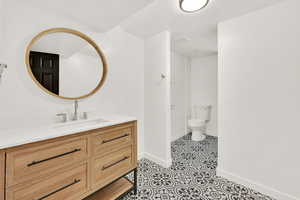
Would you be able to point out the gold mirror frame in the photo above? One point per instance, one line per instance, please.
(84, 37)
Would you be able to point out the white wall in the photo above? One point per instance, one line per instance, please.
(204, 73)
(22, 103)
(1, 27)
(157, 99)
(259, 95)
(180, 96)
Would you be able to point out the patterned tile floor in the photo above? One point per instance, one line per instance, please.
(192, 176)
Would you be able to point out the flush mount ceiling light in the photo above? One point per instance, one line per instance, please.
(191, 6)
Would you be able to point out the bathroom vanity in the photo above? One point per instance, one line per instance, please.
(69, 162)
(79, 157)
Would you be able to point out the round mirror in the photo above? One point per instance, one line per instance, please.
(66, 63)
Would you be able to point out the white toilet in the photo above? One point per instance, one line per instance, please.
(200, 116)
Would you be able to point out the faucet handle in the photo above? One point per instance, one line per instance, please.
(84, 115)
(63, 115)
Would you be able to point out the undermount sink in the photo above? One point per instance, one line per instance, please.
(80, 123)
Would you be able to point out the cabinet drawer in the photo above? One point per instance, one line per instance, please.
(107, 141)
(32, 162)
(66, 185)
(112, 166)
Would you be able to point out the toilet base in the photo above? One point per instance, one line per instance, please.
(197, 135)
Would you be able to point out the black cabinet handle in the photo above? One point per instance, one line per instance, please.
(116, 138)
(60, 189)
(113, 164)
(51, 158)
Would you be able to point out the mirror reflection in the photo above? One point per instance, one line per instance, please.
(65, 64)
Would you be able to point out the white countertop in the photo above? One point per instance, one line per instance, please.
(20, 136)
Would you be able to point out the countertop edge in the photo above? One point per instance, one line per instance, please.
(64, 133)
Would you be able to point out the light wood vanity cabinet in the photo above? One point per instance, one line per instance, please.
(110, 140)
(2, 175)
(68, 184)
(71, 167)
(31, 162)
(110, 166)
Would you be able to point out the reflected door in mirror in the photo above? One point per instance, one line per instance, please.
(45, 67)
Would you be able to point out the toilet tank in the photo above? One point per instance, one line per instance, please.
(202, 112)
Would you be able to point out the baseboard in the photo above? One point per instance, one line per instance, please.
(157, 160)
(176, 137)
(140, 156)
(255, 186)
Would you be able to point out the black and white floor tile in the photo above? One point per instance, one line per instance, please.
(192, 176)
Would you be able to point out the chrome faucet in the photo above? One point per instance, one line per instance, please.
(75, 116)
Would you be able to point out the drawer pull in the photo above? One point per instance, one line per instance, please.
(113, 164)
(116, 138)
(58, 190)
(51, 158)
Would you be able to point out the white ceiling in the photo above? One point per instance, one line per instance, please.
(192, 34)
(101, 15)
